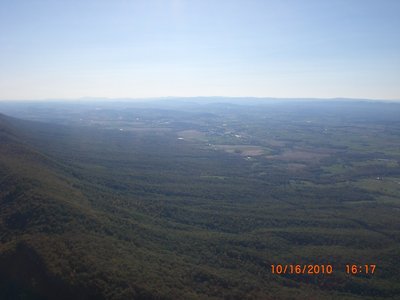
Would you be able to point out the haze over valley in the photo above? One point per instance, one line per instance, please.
(188, 199)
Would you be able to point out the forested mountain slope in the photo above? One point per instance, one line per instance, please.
(92, 213)
(40, 208)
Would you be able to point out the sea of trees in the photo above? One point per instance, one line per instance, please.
(99, 213)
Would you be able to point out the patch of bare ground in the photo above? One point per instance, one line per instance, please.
(302, 155)
(244, 150)
(191, 134)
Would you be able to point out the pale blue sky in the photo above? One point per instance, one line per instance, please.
(151, 48)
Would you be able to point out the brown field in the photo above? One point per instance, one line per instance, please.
(191, 134)
(302, 155)
(244, 150)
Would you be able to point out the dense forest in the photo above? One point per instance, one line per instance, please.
(197, 199)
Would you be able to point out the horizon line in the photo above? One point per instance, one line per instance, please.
(94, 98)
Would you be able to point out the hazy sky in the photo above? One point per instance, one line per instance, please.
(150, 48)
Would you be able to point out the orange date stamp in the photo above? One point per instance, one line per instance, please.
(316, 269)
(310, 269)
(355, 269)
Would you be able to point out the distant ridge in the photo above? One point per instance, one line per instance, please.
(205, 99)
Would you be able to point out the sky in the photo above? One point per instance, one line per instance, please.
(156, 48)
